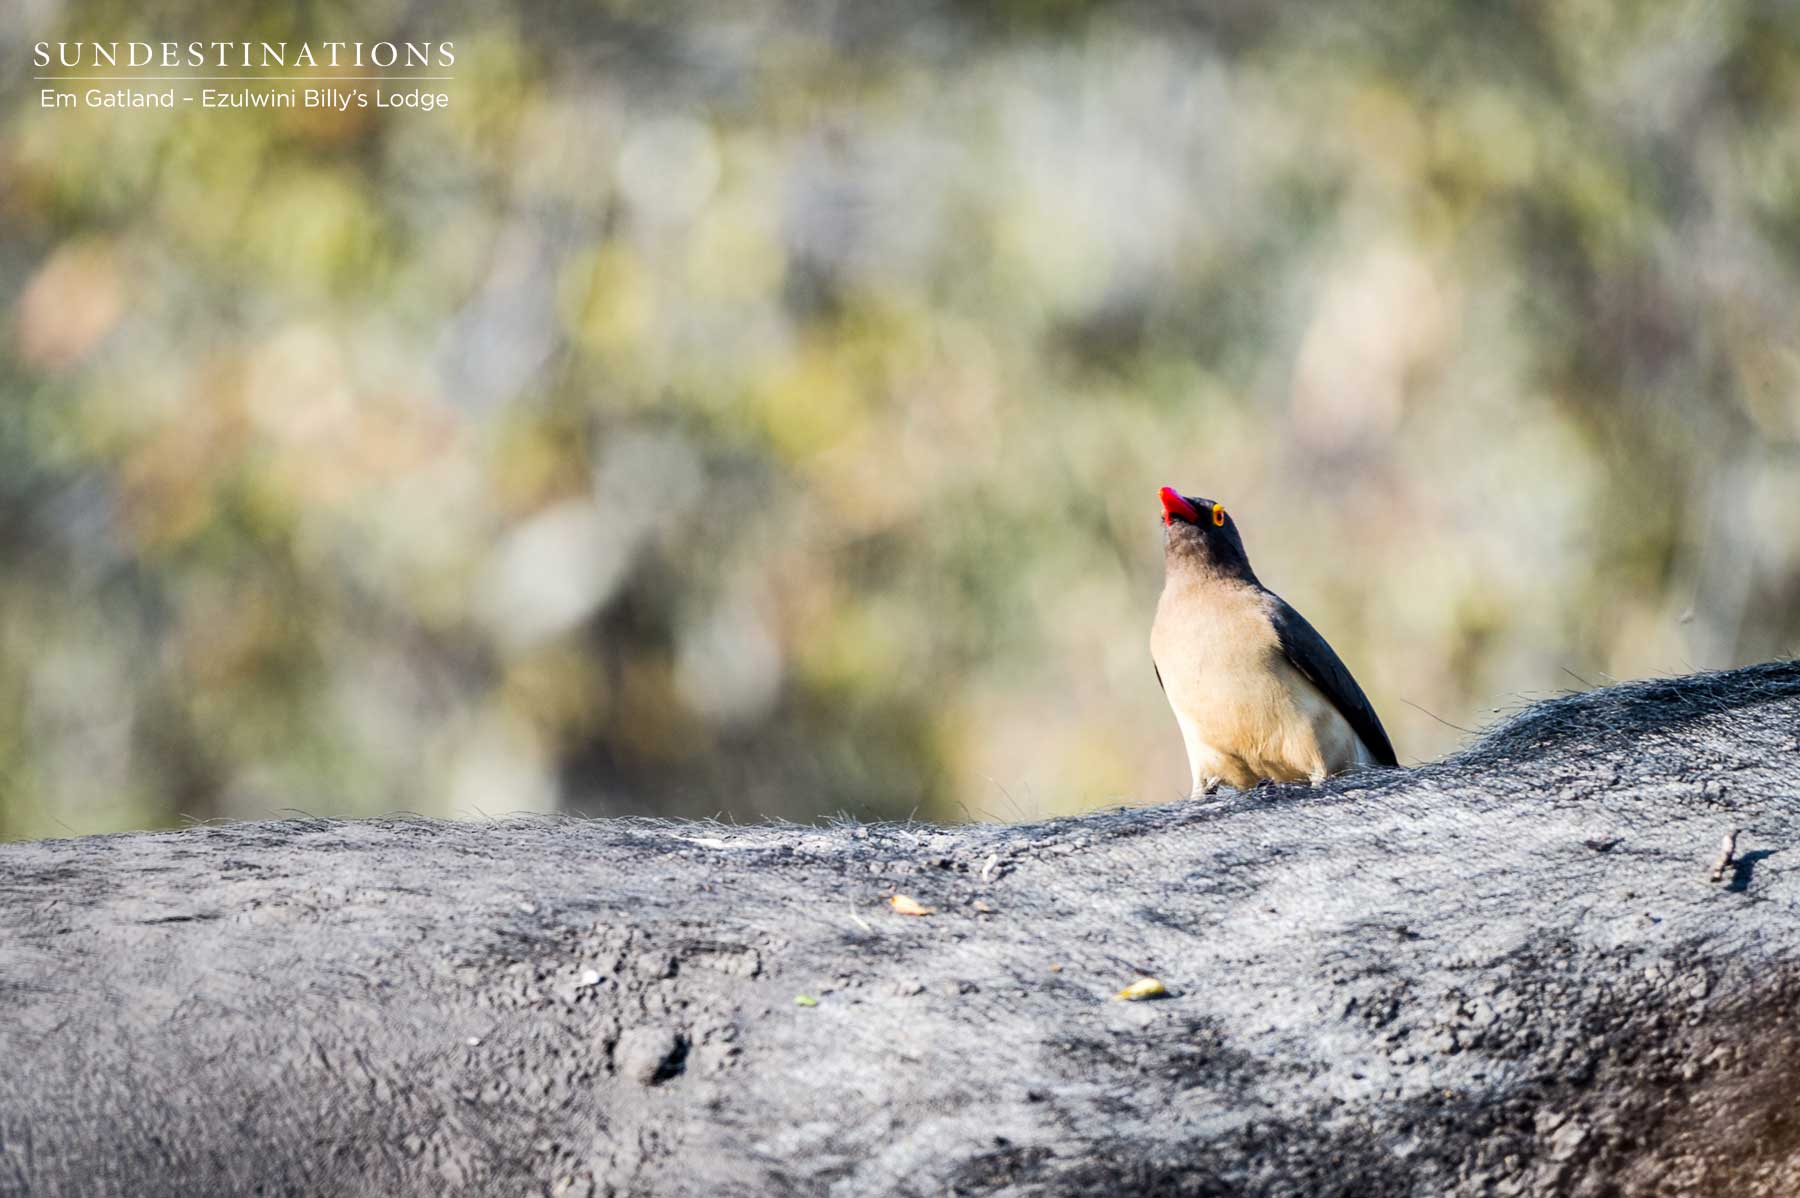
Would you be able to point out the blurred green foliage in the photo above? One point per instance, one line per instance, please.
(759, 408)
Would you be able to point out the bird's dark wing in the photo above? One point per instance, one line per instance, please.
(1320, 665)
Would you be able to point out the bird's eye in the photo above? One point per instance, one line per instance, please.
(1219, 514)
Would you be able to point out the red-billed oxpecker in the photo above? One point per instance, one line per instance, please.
(1258, 693)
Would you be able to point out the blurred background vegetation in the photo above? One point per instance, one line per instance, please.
(758, 408)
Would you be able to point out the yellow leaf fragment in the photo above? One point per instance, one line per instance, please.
(1141, 989)
(905, 904)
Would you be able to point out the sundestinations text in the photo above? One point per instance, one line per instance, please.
(247, 55)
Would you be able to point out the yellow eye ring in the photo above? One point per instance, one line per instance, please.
(1219, 515)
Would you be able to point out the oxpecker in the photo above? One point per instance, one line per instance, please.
(1257, 692)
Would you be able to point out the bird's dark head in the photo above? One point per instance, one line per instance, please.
(1198, 533)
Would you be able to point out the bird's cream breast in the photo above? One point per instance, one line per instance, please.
(1207, 635)
(1245, 712)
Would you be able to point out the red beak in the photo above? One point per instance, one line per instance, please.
(1175, 506)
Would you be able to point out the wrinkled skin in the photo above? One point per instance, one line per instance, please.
(1507, 972)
